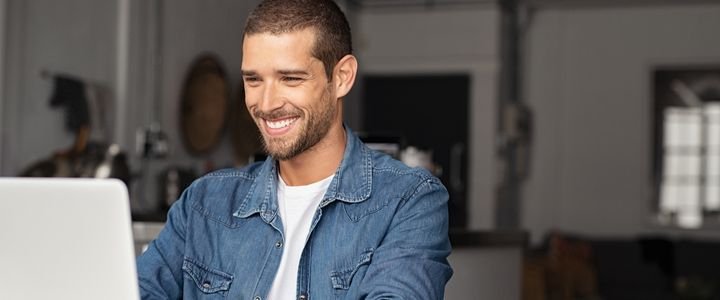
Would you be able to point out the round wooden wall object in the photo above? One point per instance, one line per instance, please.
(204, 105)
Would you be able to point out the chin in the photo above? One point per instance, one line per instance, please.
(277, 150)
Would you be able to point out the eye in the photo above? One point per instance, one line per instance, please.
(292, 81)
(252, 80)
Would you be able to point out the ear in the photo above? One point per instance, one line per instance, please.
(344, 75)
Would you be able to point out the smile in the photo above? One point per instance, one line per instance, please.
(280, 124)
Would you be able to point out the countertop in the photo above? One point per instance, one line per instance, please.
(462, 238)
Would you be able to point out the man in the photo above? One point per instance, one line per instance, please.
(324, 217)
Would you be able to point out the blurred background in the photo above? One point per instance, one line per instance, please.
(579, 139)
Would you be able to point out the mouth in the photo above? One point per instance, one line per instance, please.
(279, 126)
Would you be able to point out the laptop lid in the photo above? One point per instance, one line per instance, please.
(66, 239)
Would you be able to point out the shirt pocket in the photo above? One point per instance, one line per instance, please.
(342, 278)
(207, 280)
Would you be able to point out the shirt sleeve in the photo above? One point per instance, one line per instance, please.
(160, 266)
(411, 262)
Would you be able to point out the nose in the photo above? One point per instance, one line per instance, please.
(270, 98)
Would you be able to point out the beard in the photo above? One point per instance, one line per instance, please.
(314, 127)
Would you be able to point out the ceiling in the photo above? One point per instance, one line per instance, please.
(378, 4)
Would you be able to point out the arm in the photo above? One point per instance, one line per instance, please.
(160, 266)
(411, 262)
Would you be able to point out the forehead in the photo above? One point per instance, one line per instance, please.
(285, 48)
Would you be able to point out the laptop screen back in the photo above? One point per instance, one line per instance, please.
(66, 239)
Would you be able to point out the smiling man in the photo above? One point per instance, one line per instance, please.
(324, 217)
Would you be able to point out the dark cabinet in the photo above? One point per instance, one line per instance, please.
(429, 112)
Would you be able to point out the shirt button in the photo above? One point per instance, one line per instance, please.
(303, 297)
(257, 298)
(206, 285)
(278, 244)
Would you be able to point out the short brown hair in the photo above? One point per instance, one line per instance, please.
(332, 40)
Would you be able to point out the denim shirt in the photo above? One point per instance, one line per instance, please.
(380, 232)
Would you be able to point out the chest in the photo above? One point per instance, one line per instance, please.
(239, 260)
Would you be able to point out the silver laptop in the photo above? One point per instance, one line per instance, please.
(66, 239)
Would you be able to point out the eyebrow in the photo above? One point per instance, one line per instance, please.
(281, 72)
(248, 73)
(293, 72)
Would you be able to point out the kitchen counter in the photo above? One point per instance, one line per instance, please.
(487, 264)
(461, 238)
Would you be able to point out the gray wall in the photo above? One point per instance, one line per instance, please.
(3, 22)
(588, 83)
(112, 44)
(187, 29)
(74, 36)
(190, 28)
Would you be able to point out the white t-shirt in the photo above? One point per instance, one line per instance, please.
(297, 205)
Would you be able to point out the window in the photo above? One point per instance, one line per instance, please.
(687, 146)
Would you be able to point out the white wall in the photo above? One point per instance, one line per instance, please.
(444, 40)
(75, 37)
(588, 82)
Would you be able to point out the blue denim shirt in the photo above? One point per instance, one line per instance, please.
(381, 232)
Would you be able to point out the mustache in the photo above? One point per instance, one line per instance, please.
(277, 114)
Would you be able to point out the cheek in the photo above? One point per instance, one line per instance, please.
(314, 97)
(297, 97)
(251, 99)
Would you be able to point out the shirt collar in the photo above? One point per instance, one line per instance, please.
(352, 182)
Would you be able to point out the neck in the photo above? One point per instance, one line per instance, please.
(318, 162)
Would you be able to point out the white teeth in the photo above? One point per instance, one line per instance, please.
(280, 124)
